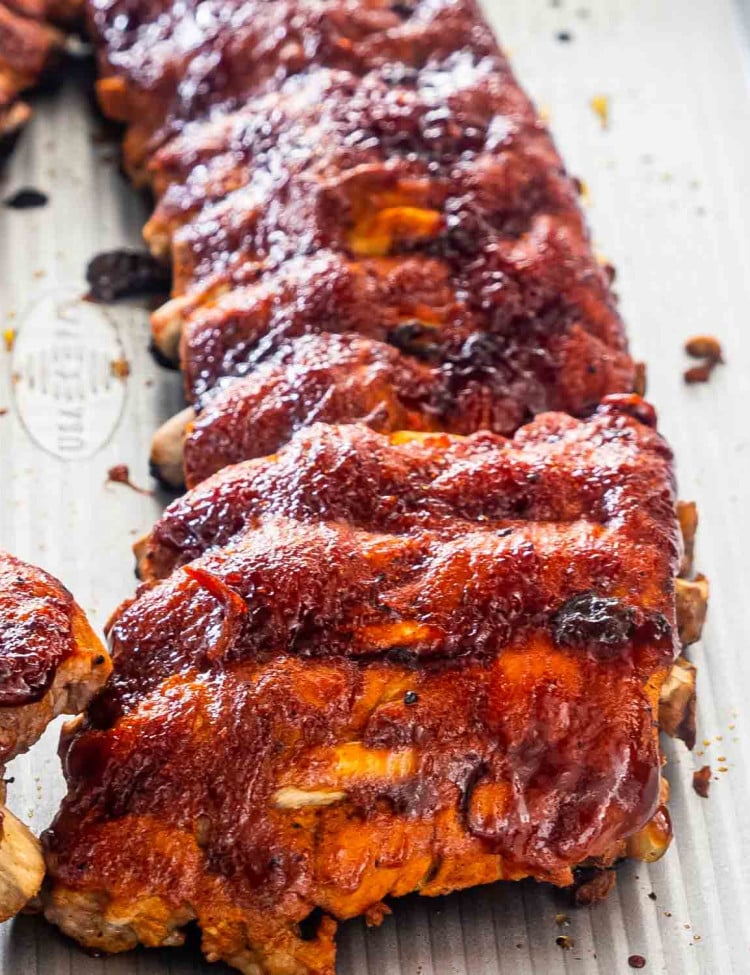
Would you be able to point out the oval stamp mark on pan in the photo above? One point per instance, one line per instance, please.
(67, 397)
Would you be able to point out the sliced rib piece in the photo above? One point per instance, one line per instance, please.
(376, 665)
(31, 41)
(51, 663)
(28, 46)
(314, 379)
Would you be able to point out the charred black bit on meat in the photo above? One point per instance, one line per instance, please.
(591, 620)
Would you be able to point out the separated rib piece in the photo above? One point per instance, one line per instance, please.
(51, 663)
(31, 41)
(376, 665)
(324, 379)
(28, 46)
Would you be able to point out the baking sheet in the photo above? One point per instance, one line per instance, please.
(667, 188)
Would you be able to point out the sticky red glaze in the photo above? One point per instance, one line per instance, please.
(491, 619)
(180, 60)
(289, 172)
(315, 379)
(572, 733)
(506, 292)
(345, 378)
(345, 535)
(36, 633)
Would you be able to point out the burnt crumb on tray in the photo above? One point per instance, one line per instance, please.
(637, 961)
(706, 348)
(125, 273)
(26, 198)
(641, 379)
(702, 781)
(120, 474)
(119, 368)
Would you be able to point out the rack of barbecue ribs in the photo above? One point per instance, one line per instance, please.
(31, 41)
(417, 620)
(51, 663)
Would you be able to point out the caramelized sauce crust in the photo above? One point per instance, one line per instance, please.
(36, 631)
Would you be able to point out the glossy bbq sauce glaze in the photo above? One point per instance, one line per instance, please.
(35, 625)
(366, 663)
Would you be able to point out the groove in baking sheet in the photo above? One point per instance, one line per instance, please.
(675, 72)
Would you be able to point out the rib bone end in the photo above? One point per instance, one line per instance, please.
(677, 703)
(21, 866)
(167, 447)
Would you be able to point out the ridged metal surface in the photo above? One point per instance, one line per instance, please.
(670, 207)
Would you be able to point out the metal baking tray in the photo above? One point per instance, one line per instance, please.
(666, 184)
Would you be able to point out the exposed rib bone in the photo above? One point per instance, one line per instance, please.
(692, 604)
(167, 449)
(21, 865)
(677, 702)
(687, 515)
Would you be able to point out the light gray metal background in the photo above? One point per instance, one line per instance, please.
(668, 184)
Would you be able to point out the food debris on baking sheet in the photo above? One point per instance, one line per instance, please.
(600, 106)
(702, 781)
(120, 474)
(120, 368)
(707, 348)
(25, 199)
(125, 273)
